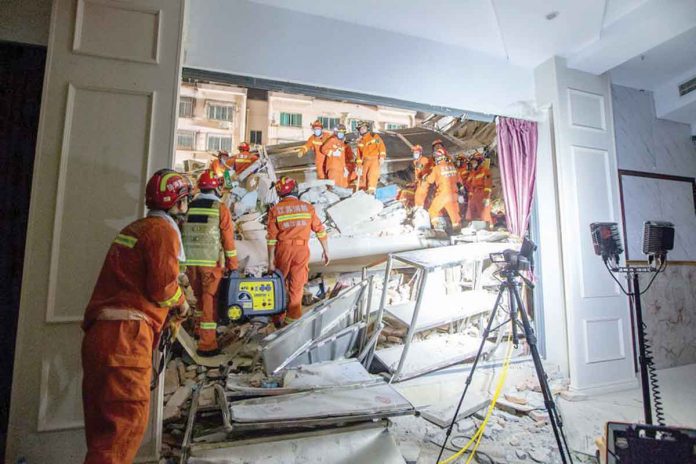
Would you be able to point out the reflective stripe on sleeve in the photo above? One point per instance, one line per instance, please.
(208, 325)
(321, 234)
(126, 240)
(291, 217)
(271, 242)
(204, 212)
(171, 301)
(231, 254)
(201, 262)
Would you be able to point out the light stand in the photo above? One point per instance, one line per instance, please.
(510, 286)
(658, 238)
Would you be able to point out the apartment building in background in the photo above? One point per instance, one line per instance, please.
(211, 118)
(216, 117)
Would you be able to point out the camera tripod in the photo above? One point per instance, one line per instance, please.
(510, 286)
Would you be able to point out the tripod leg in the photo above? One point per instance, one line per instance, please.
(473, 368)
(554, 417)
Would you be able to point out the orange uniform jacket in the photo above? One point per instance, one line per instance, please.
(422, 167)
(336, 152)
(218, 167)
(140, 272)
(371, 150)
(289, 225)
(479, 186)
(445, 177)
(371, 146)
(241, 161)
(315, 143)
(139, 278)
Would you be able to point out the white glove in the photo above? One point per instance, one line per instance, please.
(345, 172)
(337, 153)
(460, 199)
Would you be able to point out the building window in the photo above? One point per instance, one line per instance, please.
(291, 119)
(220, 112)
(219, 142)
(329, 123)
(255, 137)
(185, 140)
(394, 126)
(186, 107)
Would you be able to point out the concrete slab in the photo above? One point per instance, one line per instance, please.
(348, 213)
(441, 414)
(429, 355)
(337, 402)
(368, 446)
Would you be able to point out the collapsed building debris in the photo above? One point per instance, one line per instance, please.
(337, 372)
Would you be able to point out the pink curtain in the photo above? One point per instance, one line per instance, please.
(517, 154)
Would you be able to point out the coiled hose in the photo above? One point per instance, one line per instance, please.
(652, 374)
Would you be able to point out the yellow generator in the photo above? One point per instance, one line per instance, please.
(245, 297)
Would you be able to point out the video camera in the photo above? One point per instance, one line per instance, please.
(513, 260)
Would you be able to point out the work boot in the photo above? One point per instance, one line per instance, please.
(209, 353)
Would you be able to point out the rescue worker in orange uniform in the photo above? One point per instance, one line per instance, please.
(421, 167)
(243, 159)
(422, 164)
(336, 151)
(137, 290)
(208, 233)
(479, 185)
(314, 143)
(462, 165)
(371, 155)
(289, 225)
(220, 164)
(446, 181)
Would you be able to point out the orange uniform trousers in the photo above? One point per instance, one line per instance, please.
(336, 170)
(117, 365)
(448, 202)
(205, 282)
(370, 174)
(476, 211)
(292, 260)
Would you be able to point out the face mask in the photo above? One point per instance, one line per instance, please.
(416, 155)
(317, 132)
(341, 135)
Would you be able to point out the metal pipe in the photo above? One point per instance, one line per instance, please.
(412, 328)
(193, 410)
(385, 286)
(368, 310)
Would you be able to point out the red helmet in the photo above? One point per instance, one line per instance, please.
(164, 189)
(437, 142)
(417, 148)
(222, 153)
(244, 146)
(209, 181)
(285, 186)
(317, 125)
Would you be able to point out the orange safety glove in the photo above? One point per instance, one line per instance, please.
(230, 264)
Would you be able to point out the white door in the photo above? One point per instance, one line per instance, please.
(598, 321)
(107, 122)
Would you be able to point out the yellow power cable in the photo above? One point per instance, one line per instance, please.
(479, 433)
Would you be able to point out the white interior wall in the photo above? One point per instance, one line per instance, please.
(241, 37)
(647, 143)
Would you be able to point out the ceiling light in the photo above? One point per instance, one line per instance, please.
(552, 15)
